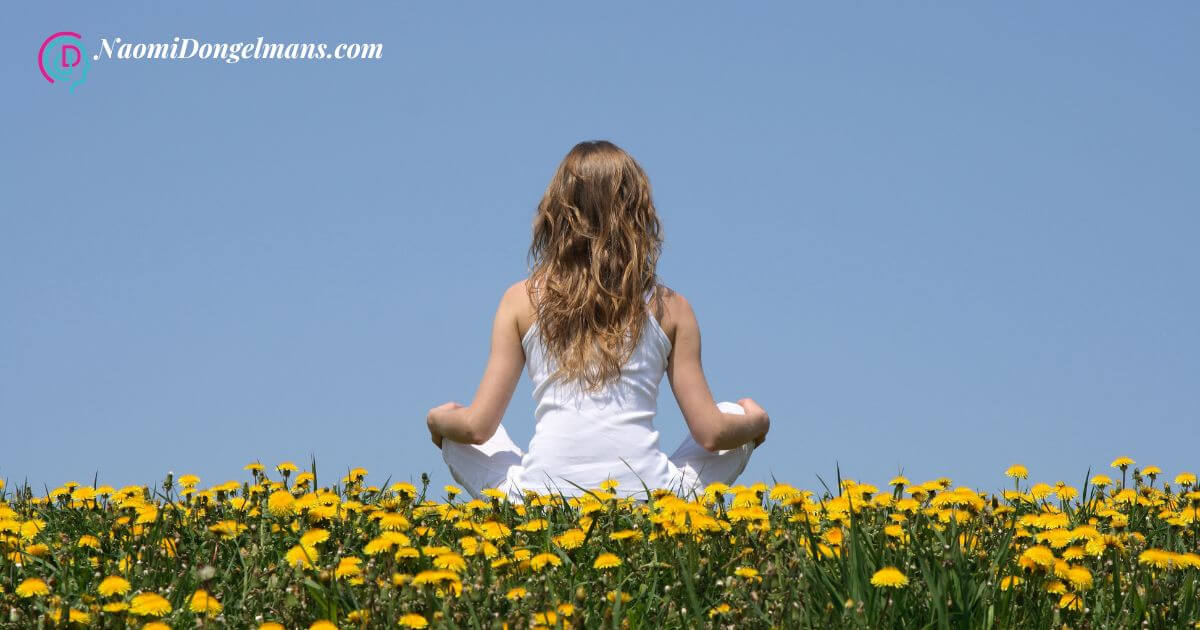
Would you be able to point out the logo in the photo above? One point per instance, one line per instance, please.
(62, 59)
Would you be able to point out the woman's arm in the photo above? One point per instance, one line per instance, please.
(477, 422)
(712, 428)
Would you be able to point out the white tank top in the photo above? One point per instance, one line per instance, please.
(583, 436)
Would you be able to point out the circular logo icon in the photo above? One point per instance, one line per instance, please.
(62, 59)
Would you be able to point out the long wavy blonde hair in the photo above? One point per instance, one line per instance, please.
(596, 243)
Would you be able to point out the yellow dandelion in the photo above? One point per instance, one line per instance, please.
(538, 562)
(889, 577)
(314, 536)
(606, 561)
(1036, 556)
(1017, 471)
(280, 503)
(203, 603)
(536, 525)
(545, 619)
(612, 596)
(286, 468)
(1080, 578)
(570, 539)
(625, 534)
(1010, 581)
(32, 587)
(750, 573)
(1071, 601)
(271, 625)
(514, 594)
(149, 604)
(450, 561)
(413, 620)
(1122, 463)
(113, 585)
(323, 624)
(302, 556)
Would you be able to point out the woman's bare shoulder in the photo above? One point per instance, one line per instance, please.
(517, 297)
(671, 308)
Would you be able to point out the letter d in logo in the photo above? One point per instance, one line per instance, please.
(62, 58)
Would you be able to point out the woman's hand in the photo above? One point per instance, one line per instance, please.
(431, 420)
(759, 415)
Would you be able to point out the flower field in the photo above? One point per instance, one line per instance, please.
(279, 550)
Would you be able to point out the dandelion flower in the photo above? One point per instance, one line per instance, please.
(514, 594)
(889, 577)
(1101, 481)
(286, 468)
(542, 559)
(156, 625)
(32, 587)
(314, 536)
(750, 573)
(1071, 601)
(189, 481)
(1185, 479)
(548, 618)
(280, 503)
(570, 539)
(606, 561)
(149, 604)
(323, 624)
(1080, 578)
(301, 556)
(1017, 471)
(1122, 463)
(203, 603)
(1010, 581)
(113, 585)
(413, 620)
(1036, 556)
(612, 597)
(451, 561)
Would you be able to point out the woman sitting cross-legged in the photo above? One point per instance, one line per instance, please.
(597, 332)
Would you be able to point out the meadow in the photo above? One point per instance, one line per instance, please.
(280, 550)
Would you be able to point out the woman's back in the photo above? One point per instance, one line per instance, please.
(595, 248)
(588, 437)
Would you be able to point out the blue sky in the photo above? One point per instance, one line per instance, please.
(942, 239)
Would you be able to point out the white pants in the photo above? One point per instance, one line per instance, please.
(488, 465)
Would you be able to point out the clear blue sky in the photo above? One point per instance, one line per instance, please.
(942, 238)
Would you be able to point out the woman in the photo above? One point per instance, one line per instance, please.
(597, 332)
